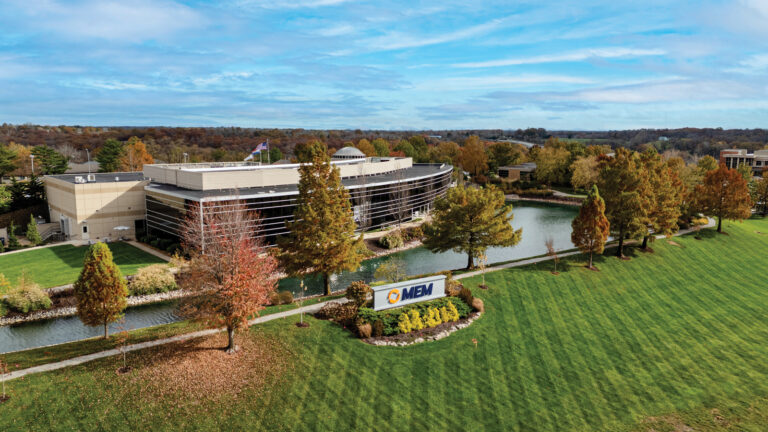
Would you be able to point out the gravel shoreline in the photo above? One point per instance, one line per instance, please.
(72, 311)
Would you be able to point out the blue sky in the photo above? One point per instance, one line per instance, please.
(389, 65)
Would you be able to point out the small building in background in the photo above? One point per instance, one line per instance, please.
(97, 206)
(522, 172)
(758, 160)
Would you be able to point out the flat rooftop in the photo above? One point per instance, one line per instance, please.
(101, 177)
(412, 173)
(250, 166)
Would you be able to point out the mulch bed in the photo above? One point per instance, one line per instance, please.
(423, 333)
(201, 369)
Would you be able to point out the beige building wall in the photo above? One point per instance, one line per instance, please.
(97, 206)
(194, 177)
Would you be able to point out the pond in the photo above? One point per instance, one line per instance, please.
(539, 222)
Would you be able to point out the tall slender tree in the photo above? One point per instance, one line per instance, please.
(663, 193)
(33, 235)
(321, 238)
(100, 290)
(470, 220)
(591, 227)
(621, 185)
(724, 195)
(229, 270)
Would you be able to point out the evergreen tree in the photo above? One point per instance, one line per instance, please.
(13, 241)
(7, 160)
(100, 290)
(321, 239)
(591, 227)
(621, 185)
(49, 161)
(110, 157)
(275, 154)
(32, 234)
(724, 195)
(469, 220)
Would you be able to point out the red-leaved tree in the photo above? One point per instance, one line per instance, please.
(229, 270)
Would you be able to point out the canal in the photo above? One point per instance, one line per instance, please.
(539, 221)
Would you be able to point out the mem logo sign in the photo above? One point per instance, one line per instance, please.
(407, 292)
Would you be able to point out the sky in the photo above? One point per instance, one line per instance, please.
(338, 64)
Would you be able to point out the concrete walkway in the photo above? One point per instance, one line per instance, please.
(163, 256)
(113, 352)
(306, 309)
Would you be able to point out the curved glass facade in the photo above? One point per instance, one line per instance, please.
(376, 201)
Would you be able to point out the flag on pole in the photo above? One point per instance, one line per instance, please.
(258, 149)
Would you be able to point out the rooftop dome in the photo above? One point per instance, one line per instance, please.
(348, 153)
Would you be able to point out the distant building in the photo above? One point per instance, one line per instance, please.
(523, 172)
(383, 190)
(732, 158)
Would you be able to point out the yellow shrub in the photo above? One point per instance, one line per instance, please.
(433, 318)
(416, 322)
(404, 324)
(453, 312)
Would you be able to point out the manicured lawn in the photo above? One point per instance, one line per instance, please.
(60, 265)
(678, 337)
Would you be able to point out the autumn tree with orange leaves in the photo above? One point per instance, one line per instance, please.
(591, 227)
(135, 156)
(473, 158)
(229, 271)
(724, 194)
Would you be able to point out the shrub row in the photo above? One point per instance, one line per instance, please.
(398, 237)
(388, 322)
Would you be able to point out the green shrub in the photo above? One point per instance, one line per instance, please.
(286, 297)
(357, 293)
(391, 240)
(27, 297)
(412, 233)
(156, 278)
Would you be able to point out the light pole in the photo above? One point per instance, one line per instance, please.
(185, 157)
(88, 154)
(32, 163)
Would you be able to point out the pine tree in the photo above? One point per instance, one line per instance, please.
(621, 185)
(724, 194)
(100, 290)
(591, 227)
(32, 234)
(321, 239)
(49, 161)
(110, 155)
(470, 220)
(13, 241)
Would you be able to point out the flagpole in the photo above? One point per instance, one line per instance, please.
(268, 161)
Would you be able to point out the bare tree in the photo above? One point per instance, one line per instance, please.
(229, 270)
(550, 244)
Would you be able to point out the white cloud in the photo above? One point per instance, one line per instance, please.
(670, 91)
(755, 64)
(133, 21)
(574, 56)
(287, 4)
(497, 82)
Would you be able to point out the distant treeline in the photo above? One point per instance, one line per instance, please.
(169, 143)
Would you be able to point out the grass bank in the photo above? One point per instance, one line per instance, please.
(60, 265)
(668, 339)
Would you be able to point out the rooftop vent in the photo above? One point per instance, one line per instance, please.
(117, 179)
(91, 177)
(79, 179)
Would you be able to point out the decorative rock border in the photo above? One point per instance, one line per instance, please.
(71, 311)
(384, 341)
